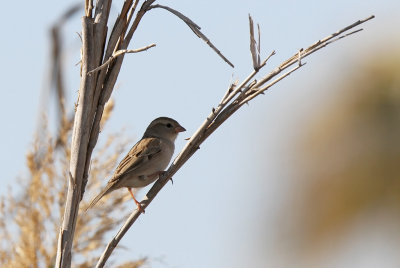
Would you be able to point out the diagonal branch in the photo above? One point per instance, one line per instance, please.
(195, 28)
(233, 99)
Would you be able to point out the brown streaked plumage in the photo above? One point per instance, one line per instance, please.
(146, 160)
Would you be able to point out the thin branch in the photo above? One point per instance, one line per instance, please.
(258, 91)
(119, 53)
(192, 25)
(213, 121)
(231, 88)
(245, 81)
(119, 28)
(195, 28)
(143, 9)
(323, 42)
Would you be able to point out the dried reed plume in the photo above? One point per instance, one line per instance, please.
(30, 217)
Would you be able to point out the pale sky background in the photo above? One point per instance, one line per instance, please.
(210, 217)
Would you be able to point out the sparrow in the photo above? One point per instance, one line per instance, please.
(147, 159)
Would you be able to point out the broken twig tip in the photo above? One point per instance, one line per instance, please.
(299, 56)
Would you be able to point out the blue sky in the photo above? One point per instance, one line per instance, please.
(209, 216)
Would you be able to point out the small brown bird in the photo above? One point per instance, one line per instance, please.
(146, 160)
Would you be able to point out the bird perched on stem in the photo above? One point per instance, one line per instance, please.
(147, 159)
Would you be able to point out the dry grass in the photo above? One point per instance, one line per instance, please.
(31, 213)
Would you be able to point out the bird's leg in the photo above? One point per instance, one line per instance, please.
(139, 206)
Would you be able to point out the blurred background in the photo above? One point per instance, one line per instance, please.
(305, 176)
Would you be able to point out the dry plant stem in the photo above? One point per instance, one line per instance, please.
(94, 92)
(57, 72)
(323, 42)
(226, 108)
(100, 34)
(255, 48)
(226, 99)
(88, 8)
(258, 91)
(245, 82)
(91, 33)
(119, 53)
(195, 28)
(107, 77)
(80, 138)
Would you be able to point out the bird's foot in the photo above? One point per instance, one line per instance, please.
(139, 206)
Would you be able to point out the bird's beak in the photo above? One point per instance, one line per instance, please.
(179, 129)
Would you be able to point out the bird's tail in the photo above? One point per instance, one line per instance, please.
(105, 191)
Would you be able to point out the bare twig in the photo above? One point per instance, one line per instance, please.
(325, 41)
(258, 91)
(254, 45)
(230, 103)
(232, 86)
(245, 81)
(119, 53)
(195, 28)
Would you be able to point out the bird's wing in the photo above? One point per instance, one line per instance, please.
(140, 153)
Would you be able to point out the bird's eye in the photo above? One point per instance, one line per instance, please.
(169, 125)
